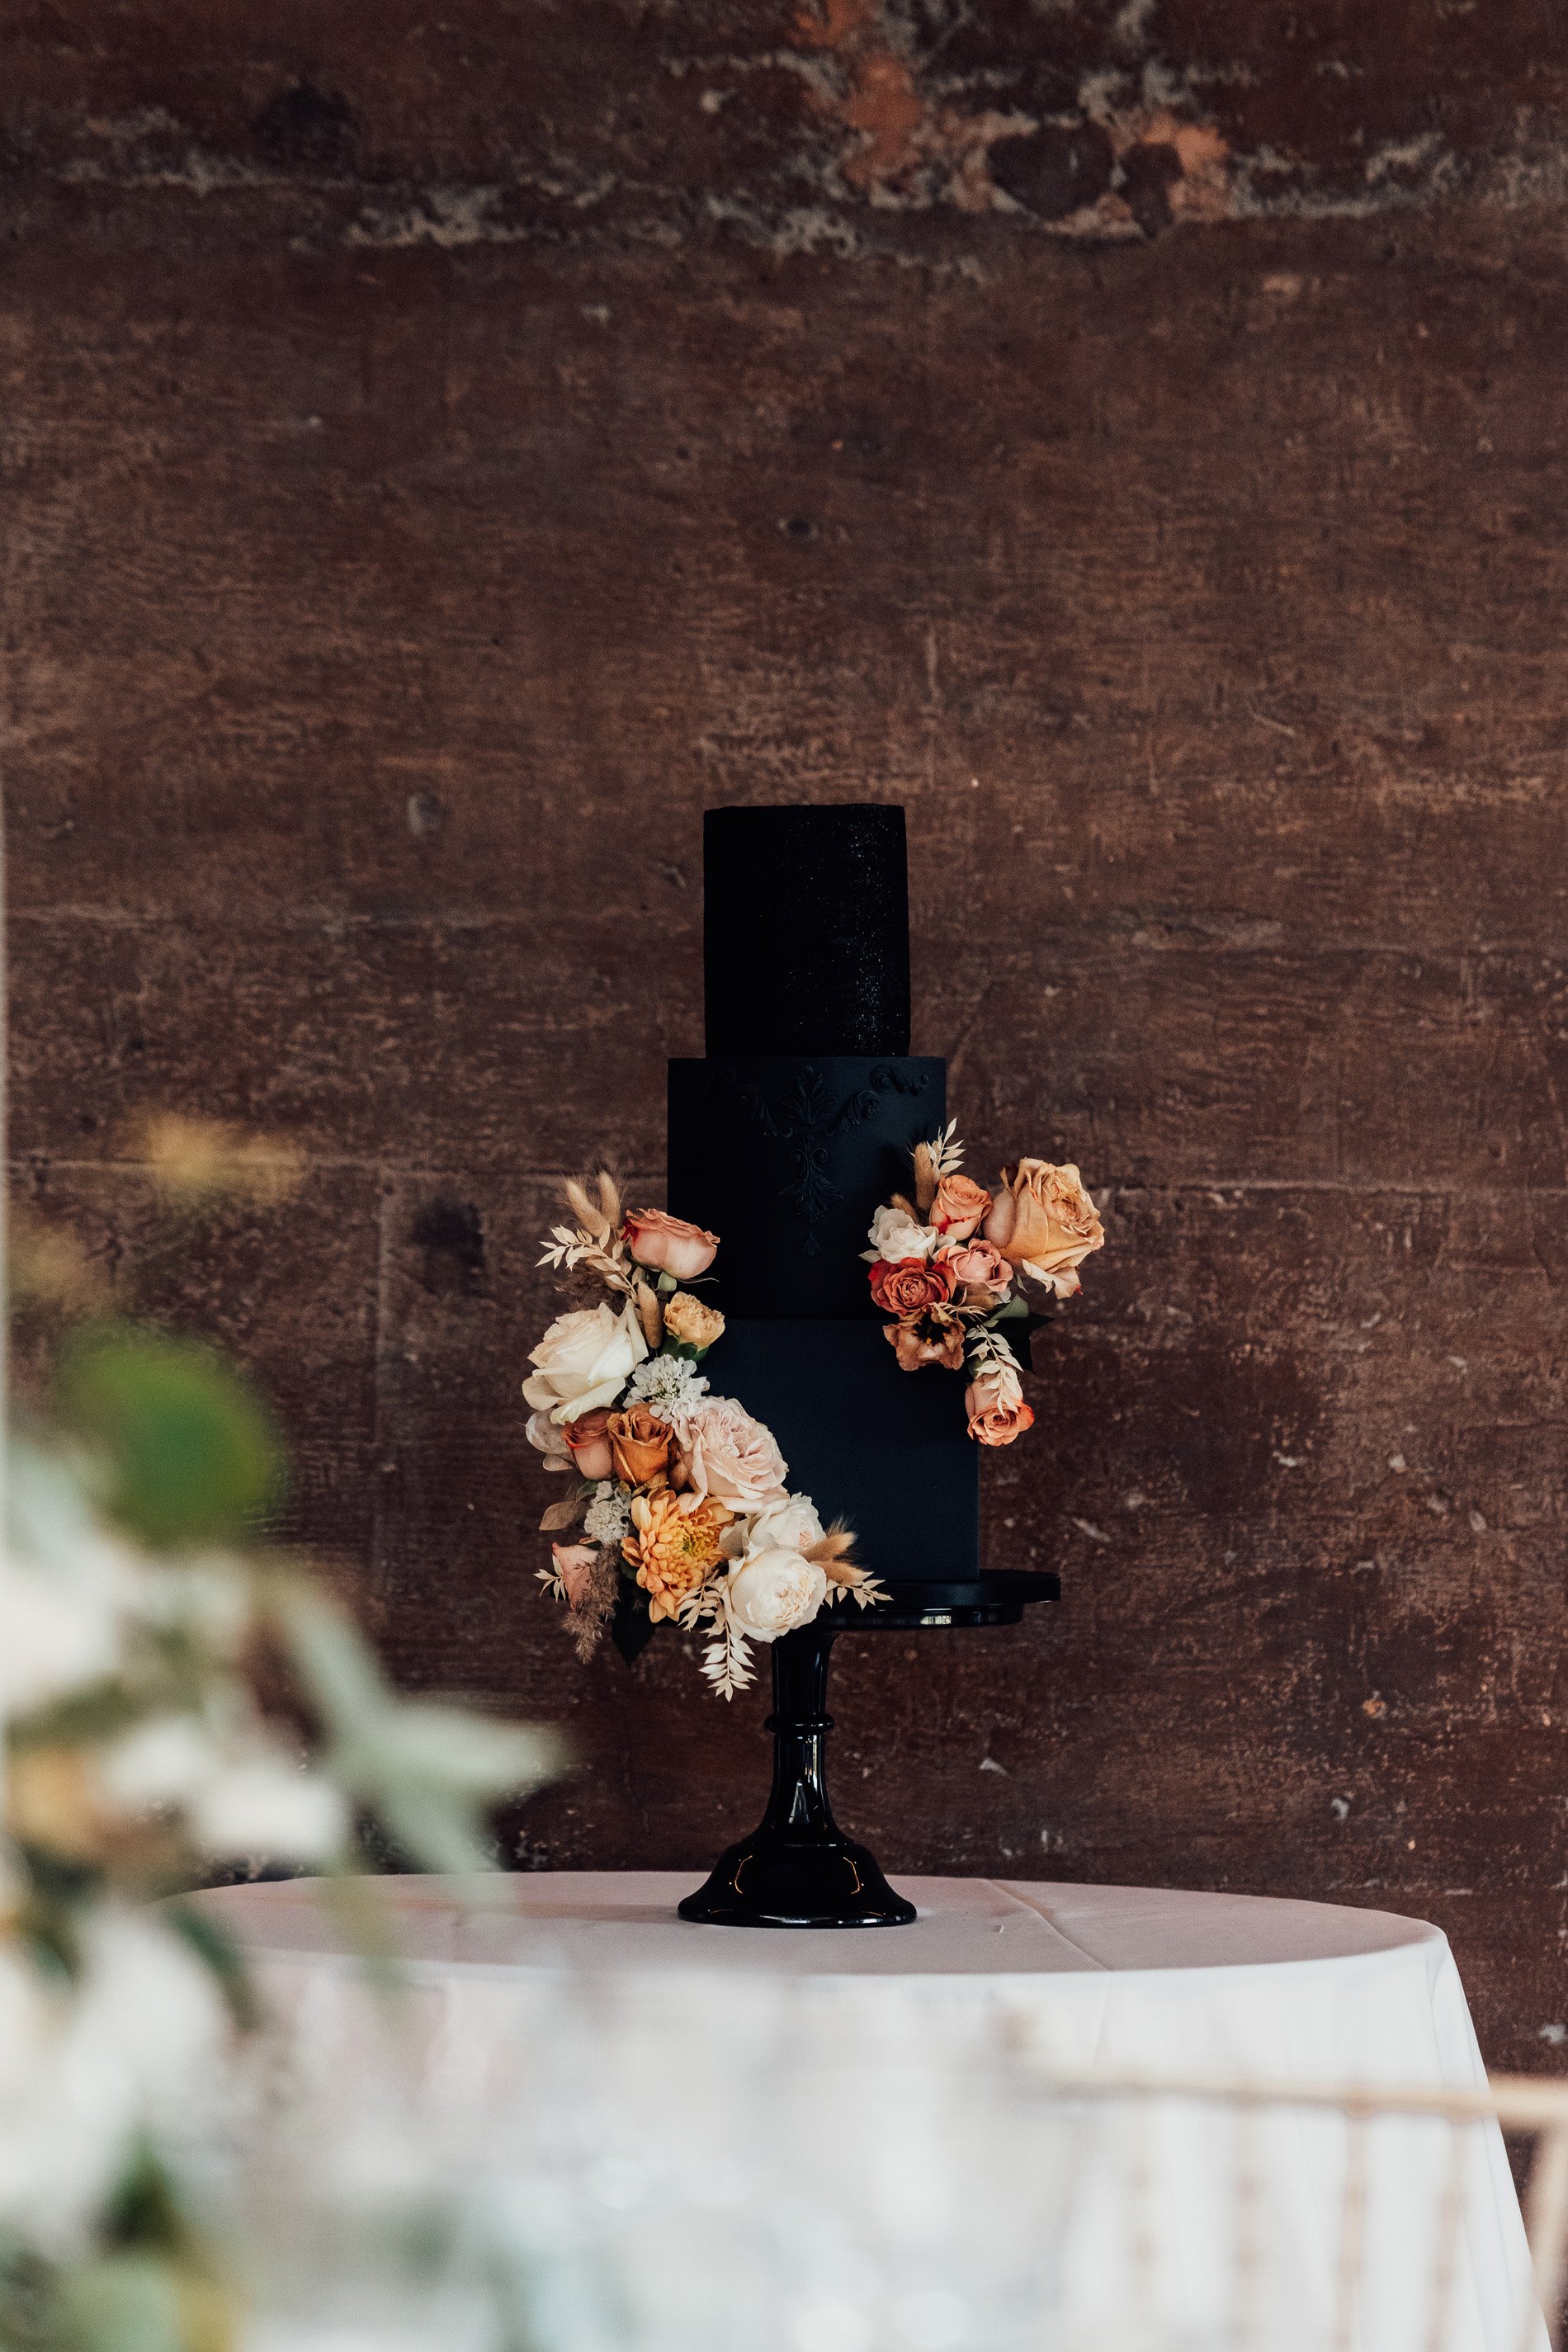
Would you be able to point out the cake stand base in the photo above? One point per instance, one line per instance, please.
(797, 1869)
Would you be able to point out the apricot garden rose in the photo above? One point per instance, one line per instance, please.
(669, 1245)
(1043, 1221)
(994, 1404)
(959, 1205)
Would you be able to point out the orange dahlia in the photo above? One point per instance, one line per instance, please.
(673, 1547)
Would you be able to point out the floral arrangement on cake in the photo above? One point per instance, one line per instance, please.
(949, 1269)
(686, 1516)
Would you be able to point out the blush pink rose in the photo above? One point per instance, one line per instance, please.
(669, 1245)
(726, 1454)
(980, 1272)
(573, 1565)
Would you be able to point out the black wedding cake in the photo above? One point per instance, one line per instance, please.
(798, 1125)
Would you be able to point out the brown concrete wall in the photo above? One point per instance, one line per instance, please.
(444, 452)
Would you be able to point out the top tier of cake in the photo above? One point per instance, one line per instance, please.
(804, 1113)
(806, 930)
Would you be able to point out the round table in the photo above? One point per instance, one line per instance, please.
(1119, 1977)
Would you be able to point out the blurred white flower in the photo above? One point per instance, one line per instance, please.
(267, 1806)
(84, 2067)
(162, 1762)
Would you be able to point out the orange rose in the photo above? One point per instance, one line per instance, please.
(934, 1337)
(1043, 1221)
(959, 1205)
(669, 1245)
(590, 1446)
(981, 1273)
(994, 1404)
(905, 1286)
(640, 1445)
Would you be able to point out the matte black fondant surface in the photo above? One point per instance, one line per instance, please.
(787, 1160)
(884, 1449)
(806, 930)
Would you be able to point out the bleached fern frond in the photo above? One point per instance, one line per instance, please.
(946, 1152)
(570, 1246)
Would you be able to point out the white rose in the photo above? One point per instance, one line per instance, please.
(790, 1526)
(584, 1360)
(895, 1234)
(772, 1592)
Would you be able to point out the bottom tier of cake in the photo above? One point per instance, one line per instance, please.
(887, 1451)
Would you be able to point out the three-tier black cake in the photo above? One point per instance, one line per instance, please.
(784, 1140)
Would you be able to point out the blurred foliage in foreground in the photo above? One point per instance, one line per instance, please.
(176, 1696)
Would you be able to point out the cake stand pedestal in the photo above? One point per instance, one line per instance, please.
(797, 1869)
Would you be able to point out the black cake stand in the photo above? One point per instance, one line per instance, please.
(797, 1869)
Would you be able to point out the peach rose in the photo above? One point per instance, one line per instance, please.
(574, 1565)
(669, 1245)
(980, 1273)
(1043, 1221)
(725, 1453)
(692, 1321)
(935, 1337)
(640, 1445)
(906, 1285)
(994, 1404)
(590, 1446)
(959, 1205)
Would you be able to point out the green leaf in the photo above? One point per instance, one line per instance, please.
(1017, 1304)
(194, 1455)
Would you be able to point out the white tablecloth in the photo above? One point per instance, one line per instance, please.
(1121, 1977)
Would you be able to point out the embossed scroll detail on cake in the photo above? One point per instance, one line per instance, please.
(800, 1115)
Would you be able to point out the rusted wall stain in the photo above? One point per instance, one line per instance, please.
(865, 126)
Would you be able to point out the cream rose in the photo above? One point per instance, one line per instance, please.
(896, 1235)
(669, 1245)
(584, 1360)
(790, 1526)
(726, 1454)
(1043, 1221)
(772, 1592)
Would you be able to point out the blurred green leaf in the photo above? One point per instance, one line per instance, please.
(194, 1455)
(426, 1770)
